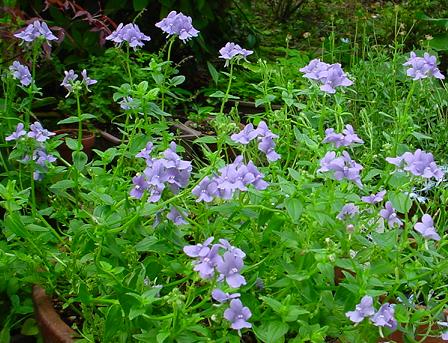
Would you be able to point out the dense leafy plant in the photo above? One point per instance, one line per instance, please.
(323, 218)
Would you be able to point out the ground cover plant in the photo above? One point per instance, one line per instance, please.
(321, 219)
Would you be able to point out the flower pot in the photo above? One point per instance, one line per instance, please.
(52, 327)
(88, 141)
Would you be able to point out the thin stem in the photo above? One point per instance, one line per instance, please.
(226, 96)
(168, 58)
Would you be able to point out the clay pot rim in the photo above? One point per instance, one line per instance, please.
(52, 327)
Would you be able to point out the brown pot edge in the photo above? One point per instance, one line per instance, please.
(52, 327)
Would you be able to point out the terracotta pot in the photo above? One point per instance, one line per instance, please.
(52, 327)
(88, 141)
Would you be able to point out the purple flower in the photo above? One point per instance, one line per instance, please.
(176, 217)
(230, 248)
(231, 50)
(222, 297)
(206, 190)
(385, 317)
(333, 77)
(350, 136)
(444, 335)
(332, 137)
(69, 78)
(198, 250)
(39, 133)
(426, 228)
(267, 146)
(245, 135)
(128, 103)
(129, 33)
(140, 185)
(374, 198)
(229, 268)
(258, 182)
(87, 80)
(41, 157)
(21, 73)
(346, 138)
(19, 132)
(232, 177)
(422, 67)
(388, 213)
(146, 151)
(265, 141)
(206, 265)
(35, 30)
(238, 315)
(329, 75)
(171, 170)
(343, 167)
(362, 310)
(419, 163)
(348, 210)
(325, 162)
(314, 69)
(178, 24)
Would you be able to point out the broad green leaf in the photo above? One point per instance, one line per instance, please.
(294, 207)
(272, 331)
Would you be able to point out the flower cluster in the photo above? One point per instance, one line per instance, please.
(348, 210)
(35, 30)
(21, 73)
(39, 154)
(265, 138)
(374, 198)
(232, 177)
(388, 213)
(383, 317)
(231, 50)
(423, 67)
(419, 163)
(129, 33)
(329, 75)
(159, 172)
(178, 24)
(426, 228)
(210, 262)
(346, 138)
(70, 78)
(225, 261)
(343, 167)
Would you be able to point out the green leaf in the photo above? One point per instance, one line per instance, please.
(294, 207)
(274, 304)
(400, 201)
(113, 322)
(206, 139)
(29, 327)
(213, 72)
(69, 120)
(62, 185)
(71, 143)
(79, 159)
(146, 243)
(177, 80)
(272, 332)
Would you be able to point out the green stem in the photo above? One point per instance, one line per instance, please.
(226, 96)
(78, 107)
(168, 58)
